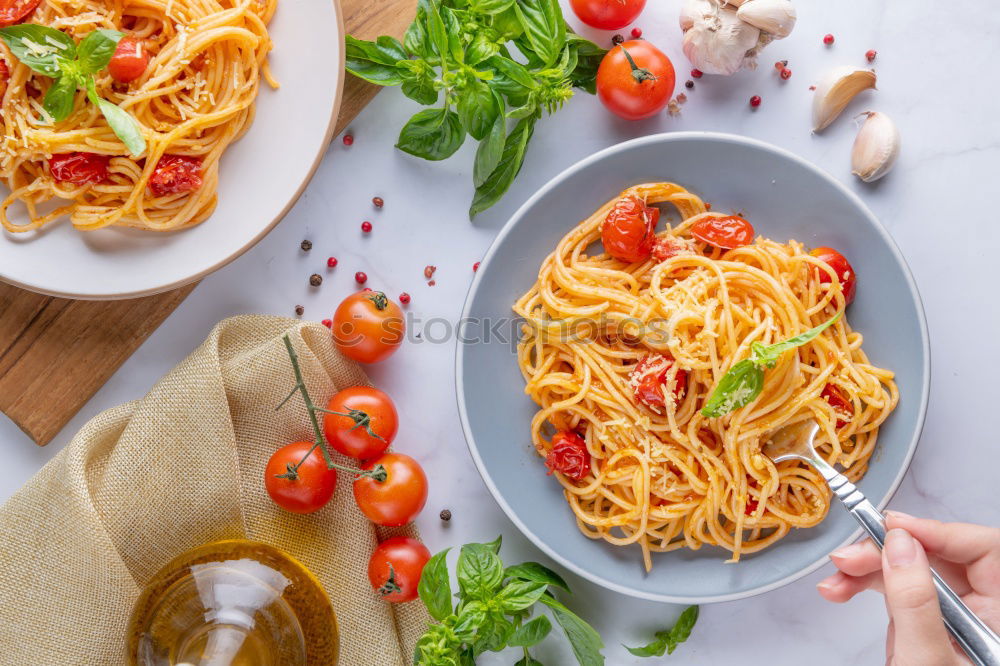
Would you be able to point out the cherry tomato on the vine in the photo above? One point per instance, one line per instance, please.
(365, 424)
(635, 80)
(845, 273)
(398, 498)
(728, 232)
(607, 14)
(368, 327)
(304, 489)
(568, 455)
(627, 232)
(841, 404)
(395, 567)
(79, 168)
(129, 60)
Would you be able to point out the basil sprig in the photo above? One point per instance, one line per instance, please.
(458, 53)
(745, 380)
(54, 54)
(494, 609)
(668, 639)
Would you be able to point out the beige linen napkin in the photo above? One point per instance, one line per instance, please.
(183, 466)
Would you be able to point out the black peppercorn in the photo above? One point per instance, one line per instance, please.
(689, 84)
(617, 39)
(315, 279)
(299, 310)
(306, 245)
(445, 515)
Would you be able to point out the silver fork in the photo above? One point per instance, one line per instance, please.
(795, 442)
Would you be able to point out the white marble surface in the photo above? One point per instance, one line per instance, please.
(935, 65)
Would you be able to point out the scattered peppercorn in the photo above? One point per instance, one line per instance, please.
(696, 73)
(636, 33)
(404, 298)
(689, 84)
(870, 54)
(429, 271)
(378, 202)
(812, 87)
(828, 39)
(431, 283)
(328, 323)
(786, 74)
(755, 101)
(445, 515)
(475, 267)
(315, 279)
(306, 245)
(331, 262)
(299, 310)
(780, 65)
(681, 98)
(366, 226)
(367, 289)
(616, 40)
(708, 206)
(348, 139)
(360, 277)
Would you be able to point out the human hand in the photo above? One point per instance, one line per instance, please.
(966, 556)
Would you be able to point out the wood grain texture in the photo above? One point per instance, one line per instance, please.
(56, 353)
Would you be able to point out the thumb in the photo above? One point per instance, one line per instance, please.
(920, 636)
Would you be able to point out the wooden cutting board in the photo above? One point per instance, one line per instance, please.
(56, 353)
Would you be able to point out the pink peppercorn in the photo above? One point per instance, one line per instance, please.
(636, 33)
(328, 323)
(331, 262)
(755, 101)
(786, 74)
(475, 267)
(696, 73)
(870, 54)
(366, 226)
(404, 298)
(348, 139)
(828, 39)
(360, 277)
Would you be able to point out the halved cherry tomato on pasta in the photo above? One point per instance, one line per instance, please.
(649, 377)
(668, 246)
(627, 232)
(129, 60)
(845, 273)
(15, 11)
(607, 14)
(368, 326)
(79, 168)
(395, 568)
(304, 490)
(365, 423)
(175, 174)
(841, 404)
(397, 499)
(568, 455)
(635, 80)
(728, 232)
(4, 77)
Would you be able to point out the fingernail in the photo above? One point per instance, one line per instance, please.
(824, 585)
(897, 514)
(900, 548)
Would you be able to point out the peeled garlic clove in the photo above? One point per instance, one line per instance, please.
(775, 17)
(835, 90)
(715, 40)
(875, 148)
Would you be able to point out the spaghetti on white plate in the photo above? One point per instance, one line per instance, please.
(648, 418)
(187, 71)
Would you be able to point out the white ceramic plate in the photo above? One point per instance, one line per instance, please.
(261, 177)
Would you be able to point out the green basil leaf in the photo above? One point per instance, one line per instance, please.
(477, 109)
(433, 134)
(119, 120)
(40, 48)
(469, 621)
(437, 646)
(375, 62)
(436, 31)
(534, 571)
(494, 633)
(453, 28)
(59, 100)
(416, 40)
(95, 51)
(418, 81)
(512, 71)
(543, 26)
(584, 640)
(467, 658)
(435, 586)
(481, 48)
(667, 641)
(738, 387)
(507, 169)
(520, 594)
(490, 6)
(528, 660)
(490, 149)
(531, 633)
(523, 111)
(506, 25)
(769, 354)
(479, 571)
(655, 648)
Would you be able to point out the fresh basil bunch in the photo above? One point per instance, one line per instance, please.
(461, 51)
(494, 610)
(745, 380)
(54, 54)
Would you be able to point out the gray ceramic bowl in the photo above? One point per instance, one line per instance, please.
(785, 197)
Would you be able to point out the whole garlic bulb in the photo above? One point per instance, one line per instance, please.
(723, 37)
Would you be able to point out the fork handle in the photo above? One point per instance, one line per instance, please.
(979, 641)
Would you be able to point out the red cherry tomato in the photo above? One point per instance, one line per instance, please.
(15, 11)
(312, 484)
(129, 60)
(399, 498)
(368, 326)
(649, 377)
(366, 424)
(607, 14)
(4, 77)
(666, 247)
(175, 174)
(841, 404)
(79, 168)
(845, 273)
(636, 88)
(395, 567)
(728, 232)
(568, 455)
(627, 232)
